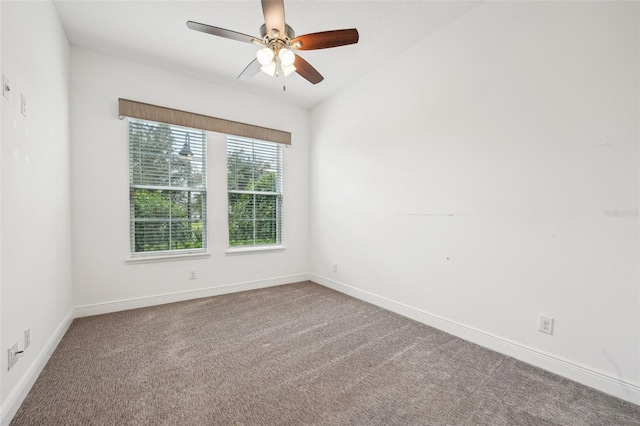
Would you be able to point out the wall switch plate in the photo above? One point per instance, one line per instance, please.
(11, 353)
(545, 325)
(27, 338)
(23, 104)
(6, 87)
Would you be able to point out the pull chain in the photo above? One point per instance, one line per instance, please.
(278, 68)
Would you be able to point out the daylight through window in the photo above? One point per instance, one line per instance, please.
(254, 183)
(168, 188)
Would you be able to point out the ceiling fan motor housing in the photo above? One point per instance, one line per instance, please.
(273, 38)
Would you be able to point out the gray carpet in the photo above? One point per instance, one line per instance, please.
(291, 355)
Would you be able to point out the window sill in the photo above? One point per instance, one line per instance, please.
(166, 257)
(252, 249)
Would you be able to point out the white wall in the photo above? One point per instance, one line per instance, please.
(37, 290)
(1, 138)
(101, 195)
(469, 182)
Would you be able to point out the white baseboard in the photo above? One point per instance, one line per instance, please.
(585, 375)
(143, 302)
(571, 370)
(19, 393)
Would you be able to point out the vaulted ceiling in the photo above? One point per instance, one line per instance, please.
(155, 33)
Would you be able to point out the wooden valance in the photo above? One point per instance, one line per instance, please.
(160, 114)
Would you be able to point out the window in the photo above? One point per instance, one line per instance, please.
(254, 186)
(168, 188)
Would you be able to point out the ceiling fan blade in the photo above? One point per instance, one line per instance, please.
(326, 39)
(273, 11)
(221, 32)
(307, 71)
(250, 71)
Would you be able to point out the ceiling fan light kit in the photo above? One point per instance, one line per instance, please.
(287, 70)
(265, 56)
(269, 69)
(287, 57)
(278, 43)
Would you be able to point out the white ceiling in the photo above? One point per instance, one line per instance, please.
(155, 33)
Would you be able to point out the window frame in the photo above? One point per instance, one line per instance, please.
(202, 188)
(278, 194)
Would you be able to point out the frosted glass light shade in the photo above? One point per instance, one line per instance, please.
(288, 69)
(265, 56)
(287, 57)
(269, 69)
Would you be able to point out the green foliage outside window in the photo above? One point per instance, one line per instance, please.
(254, 198)
(168, 190)
(163, 223)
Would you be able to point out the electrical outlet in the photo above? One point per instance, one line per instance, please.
(11, 352)
(27, 338)
(335, 268)
(545, 325)
(192, 275)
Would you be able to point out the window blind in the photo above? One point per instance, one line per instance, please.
(168, 187)
(254, 186)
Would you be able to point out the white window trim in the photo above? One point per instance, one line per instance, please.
(254, 249)
(170, 255)
(152, 258)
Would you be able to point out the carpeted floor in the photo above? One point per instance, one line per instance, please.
(292, 355)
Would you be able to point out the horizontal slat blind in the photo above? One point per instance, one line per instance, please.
(141, 110)
(253, 165)
(254, 183)
(155, 158)
(168, 180)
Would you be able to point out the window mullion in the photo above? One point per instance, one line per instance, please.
(170, 221)
(255, 220)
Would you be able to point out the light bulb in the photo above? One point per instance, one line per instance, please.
(265, 56)
(287, 57)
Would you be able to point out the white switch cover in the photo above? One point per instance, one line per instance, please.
(11, 353)
(6, 87)
(23, 104)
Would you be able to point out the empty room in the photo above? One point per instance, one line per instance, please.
(319, 212)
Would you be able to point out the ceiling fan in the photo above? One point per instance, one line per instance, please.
(279, 43)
